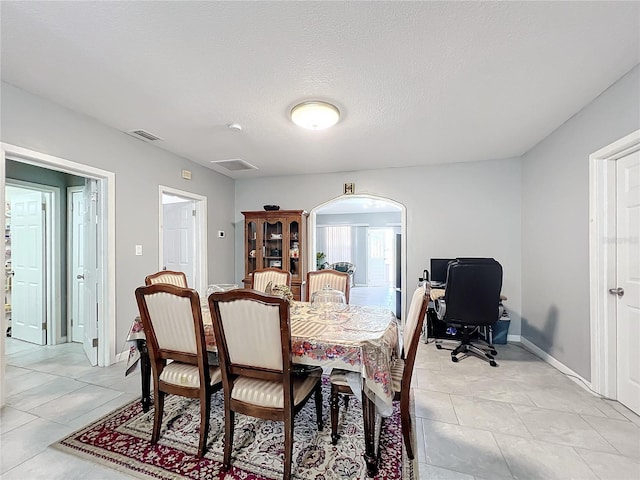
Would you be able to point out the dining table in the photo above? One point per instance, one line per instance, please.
(363, 340)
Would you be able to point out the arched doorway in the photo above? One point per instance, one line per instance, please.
(370, 232)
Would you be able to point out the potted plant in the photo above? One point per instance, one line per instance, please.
(320, 260)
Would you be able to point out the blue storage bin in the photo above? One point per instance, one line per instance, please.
(500, 329)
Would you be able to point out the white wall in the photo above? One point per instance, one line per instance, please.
(32, 122)
(555, 230)
(464, 209)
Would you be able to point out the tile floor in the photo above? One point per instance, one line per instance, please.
(522, 420)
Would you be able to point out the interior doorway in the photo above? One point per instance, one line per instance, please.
(614, 193)
(102, 195)
(365, 222)
(183, 235)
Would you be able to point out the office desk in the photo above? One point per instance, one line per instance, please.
(355, 338)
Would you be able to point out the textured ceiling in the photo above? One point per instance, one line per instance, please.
(417, 82)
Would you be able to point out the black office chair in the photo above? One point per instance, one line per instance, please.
(471, 301)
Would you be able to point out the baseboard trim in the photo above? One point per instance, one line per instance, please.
(513, 338)
(558, 365)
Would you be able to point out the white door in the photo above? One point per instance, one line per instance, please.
(90, 271)
(628, 279)
(28, 316)
(178, 238)
(376, 267)
(76, 262)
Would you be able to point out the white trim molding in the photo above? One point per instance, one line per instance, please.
(602, 261)
(403, 231)
(107, 199)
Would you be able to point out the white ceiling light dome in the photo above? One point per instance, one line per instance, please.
(315, 115)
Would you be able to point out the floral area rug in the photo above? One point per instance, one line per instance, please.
(120, 440)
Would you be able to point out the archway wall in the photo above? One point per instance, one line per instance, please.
(457, 210)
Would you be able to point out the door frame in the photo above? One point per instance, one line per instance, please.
(602, 261)
(200, 234)
(52, 261)
(311, 244)
(106, 226)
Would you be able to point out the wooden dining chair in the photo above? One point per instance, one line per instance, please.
(318, 279)
(261, 278)
(401, 370)
(167, 276)
(172, 321)
(253, 334)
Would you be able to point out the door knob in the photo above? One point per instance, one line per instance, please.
(80, 277)
(617, 291)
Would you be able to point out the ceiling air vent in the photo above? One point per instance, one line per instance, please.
(144, 135)
(234, 165)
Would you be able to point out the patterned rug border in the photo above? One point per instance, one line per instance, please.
(145, 471)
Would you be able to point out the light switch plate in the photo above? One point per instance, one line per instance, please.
(138, 249)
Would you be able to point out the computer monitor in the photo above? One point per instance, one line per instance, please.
(439, 269)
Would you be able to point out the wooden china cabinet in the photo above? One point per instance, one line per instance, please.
(276, 239)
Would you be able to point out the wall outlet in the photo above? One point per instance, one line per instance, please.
(220, 233)
(138, 249)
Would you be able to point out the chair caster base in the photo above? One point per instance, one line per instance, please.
(454, 359)
(494, 352)
(493, 363)
(438, 346)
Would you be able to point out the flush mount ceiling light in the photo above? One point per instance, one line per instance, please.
(315, 115)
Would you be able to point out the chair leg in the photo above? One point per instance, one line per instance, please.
(229, 421)
(482, 354)
(288, 447)
(205, 408)
(157, 416)
(405, 418)
(334, 414)
(318, 395)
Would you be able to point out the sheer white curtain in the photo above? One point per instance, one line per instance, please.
(338, 243)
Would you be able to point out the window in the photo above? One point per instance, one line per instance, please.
(338, 243)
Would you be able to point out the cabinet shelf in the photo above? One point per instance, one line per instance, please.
(290, 227)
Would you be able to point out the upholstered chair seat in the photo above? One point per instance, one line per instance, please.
(185, 375)
(269, 394)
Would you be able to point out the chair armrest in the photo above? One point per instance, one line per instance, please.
(440, 307)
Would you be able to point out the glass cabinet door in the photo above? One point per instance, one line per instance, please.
(251, 247)
(272, 243)
(294, 248)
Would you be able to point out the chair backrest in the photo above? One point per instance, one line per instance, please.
(472, 294)
(412, 330)
(417, 311)
(168, 277)
(261, 278)
(253, 335)
(172, 321)
(317, 280)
